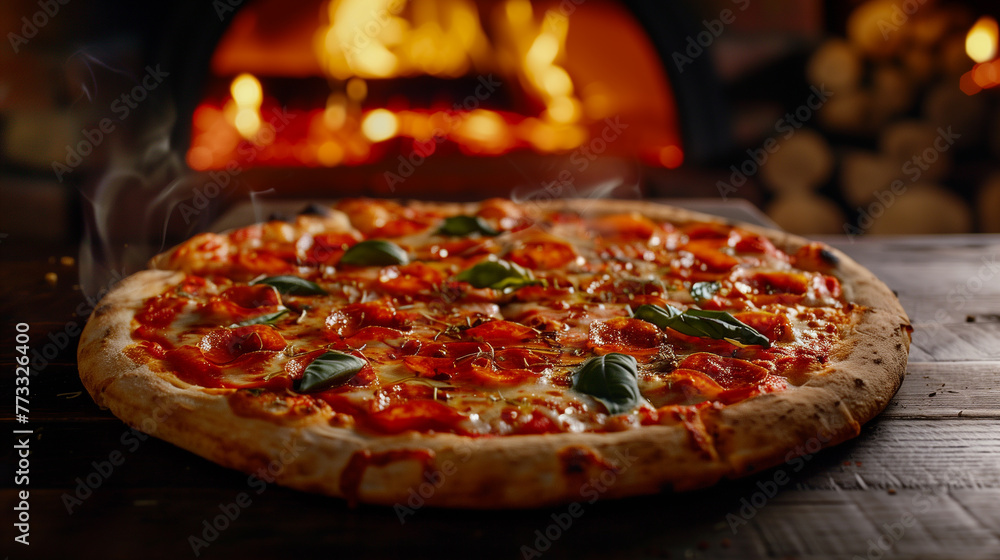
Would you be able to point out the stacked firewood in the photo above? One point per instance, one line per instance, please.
(900, 148)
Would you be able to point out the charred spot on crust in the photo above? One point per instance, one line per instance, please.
(829, 257)
(314, 209)
(278, 217)
(877, 361)
(859, 383)
(575, 459)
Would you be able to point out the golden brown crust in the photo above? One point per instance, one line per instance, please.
(513, 471)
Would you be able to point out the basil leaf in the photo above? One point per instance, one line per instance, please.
(702, 323)
(375, 252)
(703, 291)
(267, 319)
(659, 316)
(499, 275)
(292, 285)
(329, 370)
(464, 225)
(612, 379)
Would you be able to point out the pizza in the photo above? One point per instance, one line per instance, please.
(497, 354)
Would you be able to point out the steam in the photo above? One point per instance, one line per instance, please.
(598, 180)
(129, 214)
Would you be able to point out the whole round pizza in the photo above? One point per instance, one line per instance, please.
(497, 354)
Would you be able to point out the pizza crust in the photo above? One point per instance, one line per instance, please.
(450, 470)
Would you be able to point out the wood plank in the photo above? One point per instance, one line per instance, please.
(956, 342)
(951, 307)
(907, 524)
(948, 390)
(803, 524)
(983, 505)
(903, 453)
(890, 453)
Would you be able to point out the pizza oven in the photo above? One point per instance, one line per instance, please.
(431, 99)
(425, 98)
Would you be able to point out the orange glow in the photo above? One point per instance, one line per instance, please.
(671, 157)
(379, 125)
(560, 89)
(247, 97)
(981, 41)
(984, 75)
(385, 38)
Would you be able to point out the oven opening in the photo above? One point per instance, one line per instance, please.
(393, 84)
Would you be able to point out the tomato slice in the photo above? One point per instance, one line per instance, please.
(327, 248)
(499, 333)
(222, 346)
(252, 297)
(348, 320)
(409, 280)
(772, 325)
(421, 415)
(625, 334)
(543, 255)
(729, 373)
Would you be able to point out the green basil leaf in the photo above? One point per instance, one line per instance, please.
(292, 285)
(267, 319)
(464, 225)
(659, 316)
(498, 275)
(375, 252)
(702, 323)
(329, 370)
(612, 379)
(704, 291)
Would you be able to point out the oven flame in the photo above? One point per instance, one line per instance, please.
(439, 38)
(981, 41)
(981, 46)
(379, 125)
(247, 98)
(457, 46)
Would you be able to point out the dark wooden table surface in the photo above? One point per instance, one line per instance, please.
(922, 480)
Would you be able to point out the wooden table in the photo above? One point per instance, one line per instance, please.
(922, 480)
